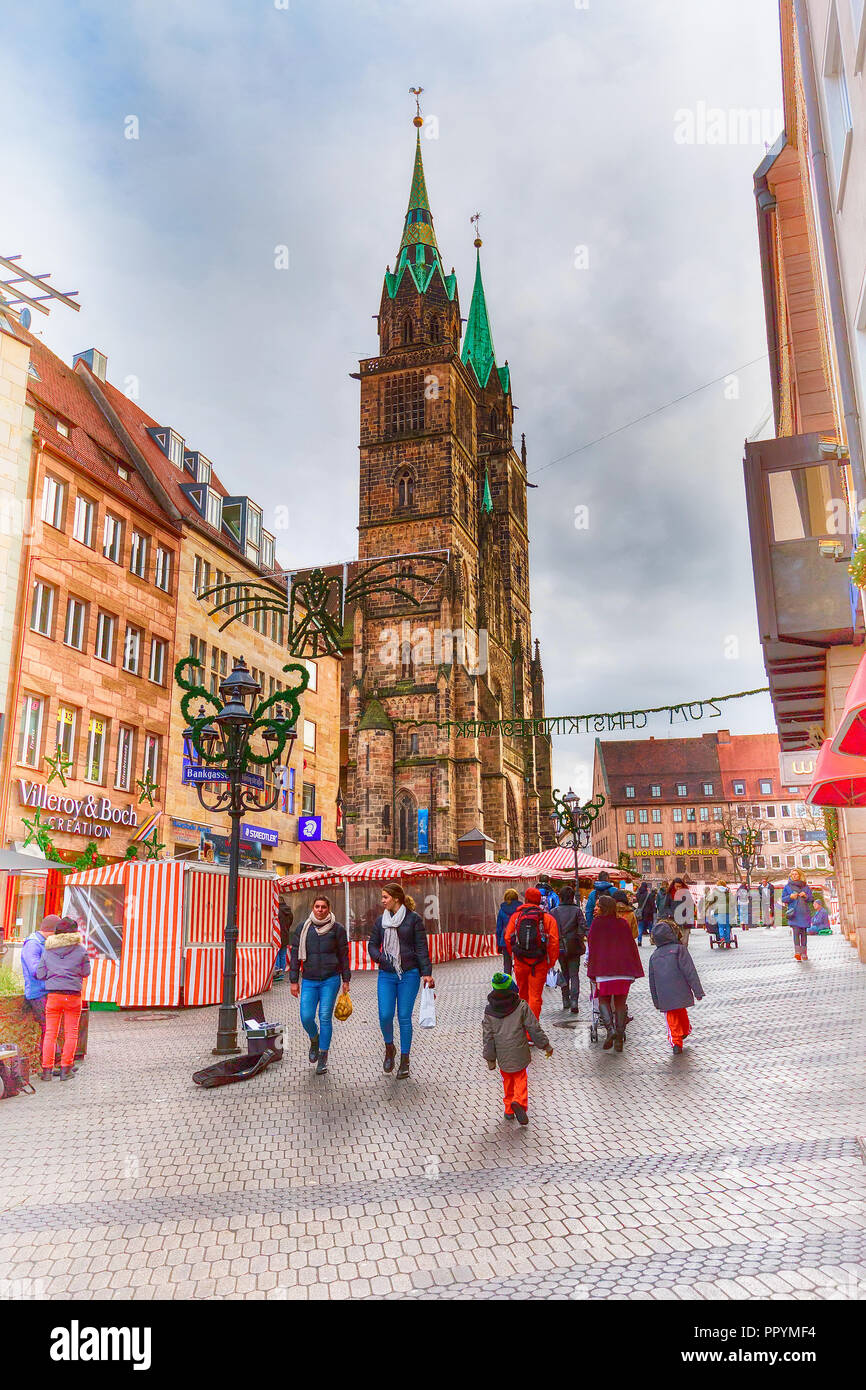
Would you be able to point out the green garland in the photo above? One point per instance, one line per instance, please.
(290, 698)
(857, 567)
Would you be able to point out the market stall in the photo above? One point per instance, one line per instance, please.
(154, 932)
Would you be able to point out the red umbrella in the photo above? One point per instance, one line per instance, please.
(850, 737)
(839, 779)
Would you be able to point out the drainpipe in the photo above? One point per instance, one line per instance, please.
(818, 160)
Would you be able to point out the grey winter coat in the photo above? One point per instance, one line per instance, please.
(673, 979)
(507, 1020)
(64, 964)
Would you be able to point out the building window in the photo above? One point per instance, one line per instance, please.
(84, 522)
(308, 799)
(655, 790)
(112, 538)
(820, 860)
(138, 555)
(657, 841)
(214, 509)
(722, 863)
(718, 813)
(162, 570)
(314, 674)
(838, 106)
(776, 861)
(413, 744)
(75, 631)
(705, 837)
(629, 791)
(125, 757)
(786, 811)
(42, 608)
(770, 812)
(106, 627)
(791, 861)
(407, 330)
(67, 719)
(97, 736)
(132, 651)
(773, 837)
(657, 815)
(704, 813)
(806, 861)
(682, 789)
(53, 501)
(642, 816)
(152, 751)
(309, 736)
(677, 813)
(158, 652)
(690, 813)
(403, 401)
(30, 737)
(644, 841)
(766, 788)
(631, 841)
(693, 840)
(708, 789)
(629, 816)
(679, 840)
(175, 449)
(739, 789)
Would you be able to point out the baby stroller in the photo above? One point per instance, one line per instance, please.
(593, 1027)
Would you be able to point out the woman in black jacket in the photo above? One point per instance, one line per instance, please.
(320, 959)
(398, 945)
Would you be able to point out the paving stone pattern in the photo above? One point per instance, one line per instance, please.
(733, 1171)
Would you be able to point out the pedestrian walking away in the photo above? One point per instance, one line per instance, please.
(797, 901)
(532, 940)
(398, 945)
(624, 910)
(507, 909)
(35, 993)
(602, 885)
(63, 967)
(673, 981)
(613, 965)
(646, 912)
(678, 905)
(286, 920)
(719, 910)
(549, 898)
(572, 943)
(318, 972)
(507, 1021)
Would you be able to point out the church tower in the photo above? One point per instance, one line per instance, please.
(440, 478)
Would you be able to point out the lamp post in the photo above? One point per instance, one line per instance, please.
(577, 821)
(223, 742)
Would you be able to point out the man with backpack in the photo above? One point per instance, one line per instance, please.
(549, 897)
(532, 941)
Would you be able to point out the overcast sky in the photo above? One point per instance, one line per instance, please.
(620, 262)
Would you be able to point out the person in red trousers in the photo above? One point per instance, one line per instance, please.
(64, 967)
(532, 941)
(674, 982)
(506, 1030)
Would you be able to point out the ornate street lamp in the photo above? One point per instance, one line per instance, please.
(223, 742)
(576, 821)
(745, 847)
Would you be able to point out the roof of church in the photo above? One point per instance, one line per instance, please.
(477, 351)
(419, 253)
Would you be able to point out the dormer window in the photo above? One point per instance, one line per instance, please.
(62, 428)
(175, 449)
(267, 551)
(214, 508)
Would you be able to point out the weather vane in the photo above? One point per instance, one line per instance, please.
(475, 219)
(416, 92)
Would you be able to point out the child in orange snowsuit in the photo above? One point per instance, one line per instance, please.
(532, 941)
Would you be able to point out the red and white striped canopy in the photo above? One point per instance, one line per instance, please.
(558, 862)
(374, 869)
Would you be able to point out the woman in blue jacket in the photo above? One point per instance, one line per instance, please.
(797, 900)
(507, 909)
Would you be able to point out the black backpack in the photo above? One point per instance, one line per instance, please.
(15, 1074)
(529, 943)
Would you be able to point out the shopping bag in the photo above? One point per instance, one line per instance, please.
(342, 1008)
(554, 979)
(427, 1011)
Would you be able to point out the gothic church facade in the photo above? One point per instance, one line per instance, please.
(441, 481)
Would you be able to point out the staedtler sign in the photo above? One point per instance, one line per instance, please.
(85, 815)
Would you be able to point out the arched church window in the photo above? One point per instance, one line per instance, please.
(406, 823)
(494, 422)
(405, 489)
(407, 330)
(435, 329)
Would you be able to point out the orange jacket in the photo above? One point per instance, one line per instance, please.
(551, 929)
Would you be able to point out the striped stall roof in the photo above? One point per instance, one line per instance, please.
(384, 869)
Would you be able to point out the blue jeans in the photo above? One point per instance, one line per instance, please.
(321, 995)
(280, 962)
(398, 993)
(724, 930)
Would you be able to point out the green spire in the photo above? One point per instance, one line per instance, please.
(487, 499)
(478, 352)
(418, 251)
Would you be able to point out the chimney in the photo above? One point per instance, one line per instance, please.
(723, 735)
(94, 359)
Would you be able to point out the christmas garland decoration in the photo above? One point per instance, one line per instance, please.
(289, 698)
(691, 711)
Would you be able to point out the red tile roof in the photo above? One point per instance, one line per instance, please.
(642, 763)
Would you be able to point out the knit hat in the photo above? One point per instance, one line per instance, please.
(51, 924)
(532, 895)
(502, 981)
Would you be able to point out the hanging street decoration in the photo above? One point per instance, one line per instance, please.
(152, 846)
(59, 766)
(689, 712)
(574, 819)
(147, 787)
(276, 717)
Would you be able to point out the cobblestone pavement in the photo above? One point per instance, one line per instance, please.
(732, 1171)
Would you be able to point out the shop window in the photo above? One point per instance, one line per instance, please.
(30, 734)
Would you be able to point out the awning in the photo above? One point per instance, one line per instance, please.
(373, 869)
(850, 737)
(318, 854)
(839, 780)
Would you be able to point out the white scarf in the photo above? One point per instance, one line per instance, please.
(391, 941)
(322, 925)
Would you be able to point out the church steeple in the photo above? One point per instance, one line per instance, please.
(478, 352)
(418, 252)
